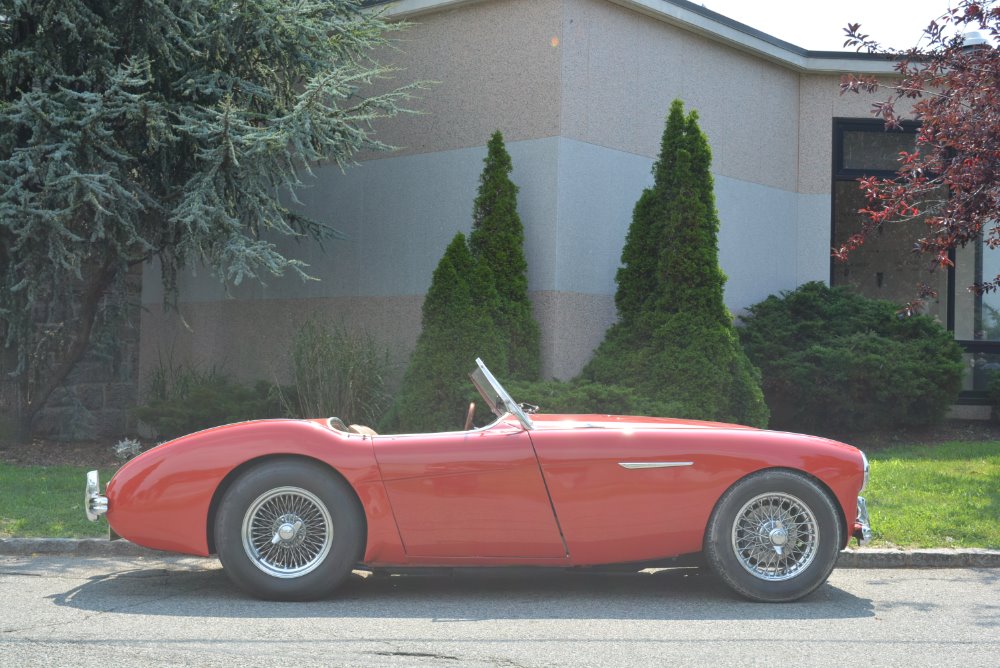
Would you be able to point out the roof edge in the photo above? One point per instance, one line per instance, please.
(707, 23)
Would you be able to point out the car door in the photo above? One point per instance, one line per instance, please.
(630, 495)
(476, 494)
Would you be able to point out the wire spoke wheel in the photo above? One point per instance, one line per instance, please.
(287, 532)
(775, 536)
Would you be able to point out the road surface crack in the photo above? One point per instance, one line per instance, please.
(422, 655)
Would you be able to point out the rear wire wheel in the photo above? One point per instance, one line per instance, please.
(289, 530)
(774, 536)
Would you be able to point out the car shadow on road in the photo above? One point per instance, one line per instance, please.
(683, 594)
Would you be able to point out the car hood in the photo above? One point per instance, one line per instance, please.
(627, 423)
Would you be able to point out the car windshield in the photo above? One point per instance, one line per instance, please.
(495, 395)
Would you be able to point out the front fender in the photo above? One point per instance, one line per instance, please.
(161, 499)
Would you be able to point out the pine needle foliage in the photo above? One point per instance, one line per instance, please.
(458, 326)
(174, 130)
(497, 239)
(675, 340)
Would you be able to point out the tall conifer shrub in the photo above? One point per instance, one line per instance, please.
(477, 306)
(458, 326)
(497, 240)
(675, 340)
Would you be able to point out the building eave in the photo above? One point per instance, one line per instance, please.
(711, 25)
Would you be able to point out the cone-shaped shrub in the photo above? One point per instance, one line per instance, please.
(497, 240)
(675, 341)
(458, 326)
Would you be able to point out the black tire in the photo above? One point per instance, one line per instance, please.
(303, 530)
(774, 536)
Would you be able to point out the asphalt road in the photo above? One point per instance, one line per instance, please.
(62, 611)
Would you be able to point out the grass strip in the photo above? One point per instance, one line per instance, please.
(46, 502)
(940, 495)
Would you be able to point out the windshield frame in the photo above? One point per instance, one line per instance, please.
(496, 397)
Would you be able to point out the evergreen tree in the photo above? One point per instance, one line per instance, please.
(638, 278)
(675, 340)
(497, 239)
(174, 130)
(458, 326)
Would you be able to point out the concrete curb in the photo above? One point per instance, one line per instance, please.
(927, 558)
(72, 547)
(855, 558)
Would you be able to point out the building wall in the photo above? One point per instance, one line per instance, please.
(580, 89)
(493, 67)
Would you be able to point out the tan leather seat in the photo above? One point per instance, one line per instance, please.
(361, 429)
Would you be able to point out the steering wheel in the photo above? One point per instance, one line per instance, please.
(469, 414)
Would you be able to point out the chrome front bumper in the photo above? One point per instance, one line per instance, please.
(94, 504)
(862, 525)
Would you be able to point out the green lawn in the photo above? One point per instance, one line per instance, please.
(945, 495)
(942, 495)
(46, 501)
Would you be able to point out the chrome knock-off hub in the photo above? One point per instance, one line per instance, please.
(286, 531)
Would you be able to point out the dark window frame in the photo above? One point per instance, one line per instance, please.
(839, 174)
(842, 125)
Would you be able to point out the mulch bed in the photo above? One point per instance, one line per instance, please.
(950, 430)
(57, 453)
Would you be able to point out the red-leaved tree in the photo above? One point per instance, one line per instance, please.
(952, 177)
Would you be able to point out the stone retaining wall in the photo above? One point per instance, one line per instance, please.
(97, 400)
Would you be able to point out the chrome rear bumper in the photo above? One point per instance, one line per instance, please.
(94, 504)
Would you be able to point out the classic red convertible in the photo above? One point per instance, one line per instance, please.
(292, 506)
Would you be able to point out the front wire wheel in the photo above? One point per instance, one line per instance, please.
(289, 529)
(287, 532)
(774, 536)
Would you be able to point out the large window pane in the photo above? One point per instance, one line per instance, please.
(977, 317)
(983, 367)
(875, 151)
(986, 307)
(885, 267)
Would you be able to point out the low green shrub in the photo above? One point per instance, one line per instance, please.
(833, 361)
(182, 399)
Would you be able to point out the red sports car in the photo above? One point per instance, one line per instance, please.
(292, 506)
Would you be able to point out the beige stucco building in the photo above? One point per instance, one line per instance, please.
(580, 89)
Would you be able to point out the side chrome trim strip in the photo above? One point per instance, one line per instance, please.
(652, 465)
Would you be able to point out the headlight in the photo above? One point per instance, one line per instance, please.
(864, 461)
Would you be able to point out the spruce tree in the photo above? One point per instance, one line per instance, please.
(457, 327)
(497, 240)
(174, 130)
(675, 340)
